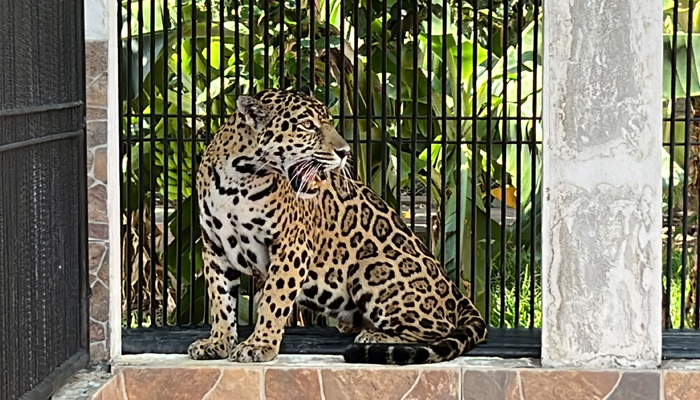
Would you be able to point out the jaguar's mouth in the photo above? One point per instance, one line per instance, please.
(307, 178)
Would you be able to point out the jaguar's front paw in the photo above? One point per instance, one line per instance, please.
(253, 352)
(208, 349)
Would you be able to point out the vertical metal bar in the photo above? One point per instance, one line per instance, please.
(153, 255)
(141, 167)
(222, 63)
(368, 100)
(299, 47)
(341, 74)
(180, 152)
(193, 146)
(252, 90)
(266, 43)
(251, 46)
(327, 68)
(686, 159)
(207, 131)
(475, 152)
(518, 173)
(208, 118)
(671, 151)
(458, 170)
(282, 80)
(489, 153)
(414, 115)
(384, 146)
(166, 157)
(429, 164)
(237, 51)
(399, 104)
(356, 88)
(443, 144)
(128, 152)
(312, 48)
(504, 173)
(533, 177)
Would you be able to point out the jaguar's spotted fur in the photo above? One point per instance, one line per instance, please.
(273, 205)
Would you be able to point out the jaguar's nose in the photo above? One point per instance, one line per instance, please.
(343, 153)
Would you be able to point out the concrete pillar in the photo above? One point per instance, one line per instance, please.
(601, 211)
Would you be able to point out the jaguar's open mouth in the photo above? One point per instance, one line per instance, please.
(307, 178)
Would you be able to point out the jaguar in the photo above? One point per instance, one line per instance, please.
(276, 202)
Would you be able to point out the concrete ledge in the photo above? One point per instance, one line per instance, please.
(148, 377)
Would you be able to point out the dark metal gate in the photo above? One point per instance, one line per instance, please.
(43, 256)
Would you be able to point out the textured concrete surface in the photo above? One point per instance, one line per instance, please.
(602, 188)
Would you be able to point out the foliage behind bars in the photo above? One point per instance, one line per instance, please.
(190, 73)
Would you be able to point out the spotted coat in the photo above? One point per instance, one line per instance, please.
(274, 204)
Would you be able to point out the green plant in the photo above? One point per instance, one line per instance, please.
(197, 57)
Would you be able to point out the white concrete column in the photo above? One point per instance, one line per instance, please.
(601, 211)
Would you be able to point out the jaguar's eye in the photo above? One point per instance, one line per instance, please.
(308, 124)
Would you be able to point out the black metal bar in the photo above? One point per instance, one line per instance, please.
(368, 99)
(379, 141)
(266, 43)
(504, 173)
(356, 88)
(680, 344)
(327, 66)
(299, 82)
(669, 238)
(475, 153)
(399, 104)
(505, 343)
(222, 64)
(443, 136)
(312, 47)
(458, 170)
(251, 46)
(518, 178)
(282, 73)
(383, 147)
(141, 191)
(180, 151)
(237, 48)
(686, 159)
(193, 147)
(376, 118)
(40, 140)
(59, 376)
(429, 163)
(533, 177)
(166, 166)
(207, 133)
(153, 256)
(20, 111)
(489, 104)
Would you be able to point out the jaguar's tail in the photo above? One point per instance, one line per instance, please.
(471, 330)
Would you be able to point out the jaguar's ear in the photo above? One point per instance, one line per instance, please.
(256, 114)
(305, 90)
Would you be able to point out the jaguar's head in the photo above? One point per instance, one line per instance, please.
(295, 136)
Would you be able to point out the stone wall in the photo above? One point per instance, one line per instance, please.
(96, 92)
(327, 378)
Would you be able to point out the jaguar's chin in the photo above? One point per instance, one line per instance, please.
(307, 178)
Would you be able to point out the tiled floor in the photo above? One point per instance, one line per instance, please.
(327, 378)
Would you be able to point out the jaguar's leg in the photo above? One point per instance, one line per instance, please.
(223, 281)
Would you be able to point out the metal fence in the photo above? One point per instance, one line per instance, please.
(44, 322)
(681, 160)
(440, 101)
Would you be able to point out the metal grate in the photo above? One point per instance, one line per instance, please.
(439, 100)
(44, 323)
(681, 161)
